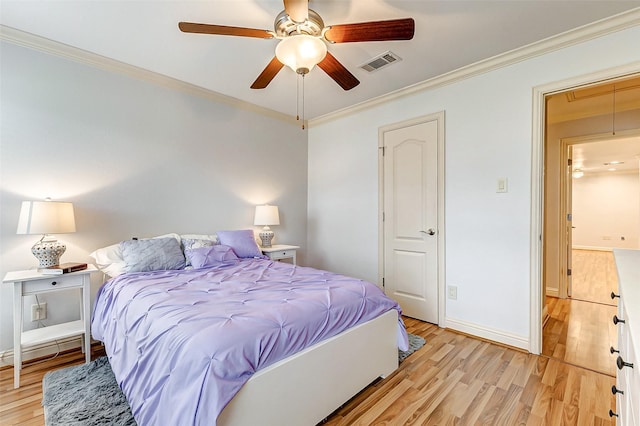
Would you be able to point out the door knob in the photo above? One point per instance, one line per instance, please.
(431, 231)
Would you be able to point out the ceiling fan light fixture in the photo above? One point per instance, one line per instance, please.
(301, 52)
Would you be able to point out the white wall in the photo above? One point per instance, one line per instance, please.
(488, 132)
(606, 208)
(136, 159)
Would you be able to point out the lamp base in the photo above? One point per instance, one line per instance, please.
(265, 237)
(48, 252)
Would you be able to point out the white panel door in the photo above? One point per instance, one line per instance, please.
(411, 218)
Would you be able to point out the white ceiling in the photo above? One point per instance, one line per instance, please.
(449, 34)
(595, 157)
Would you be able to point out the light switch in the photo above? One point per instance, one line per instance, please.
(501, 185)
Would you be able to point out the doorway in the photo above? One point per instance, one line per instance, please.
(600, 116)
(602, 206)
(412, 215)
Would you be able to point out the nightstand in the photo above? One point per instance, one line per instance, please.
(32, 282)
(281, 251)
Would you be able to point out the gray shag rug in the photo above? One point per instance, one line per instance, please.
(88, 394)
(415, 343)
(85, 395)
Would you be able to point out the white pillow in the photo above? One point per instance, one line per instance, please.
(211, 237)
(110, 261)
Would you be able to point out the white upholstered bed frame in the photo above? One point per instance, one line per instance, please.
(308, 386)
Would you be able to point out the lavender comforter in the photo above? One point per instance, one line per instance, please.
(182, 343)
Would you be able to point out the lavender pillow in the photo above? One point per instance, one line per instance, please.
(242, 242)
(204, 257)
(194, 243)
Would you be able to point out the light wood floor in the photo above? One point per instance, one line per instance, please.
(580, 330)
(453, 379)
(594, 276)
(456, 379)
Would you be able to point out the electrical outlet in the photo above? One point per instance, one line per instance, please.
(39, 312)
(453, 292)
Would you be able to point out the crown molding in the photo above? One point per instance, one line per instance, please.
(572, 37)
(45, 45)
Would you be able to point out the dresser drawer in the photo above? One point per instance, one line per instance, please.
(632, 378)
(53, 283)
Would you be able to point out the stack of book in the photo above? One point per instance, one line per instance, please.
(63, 268)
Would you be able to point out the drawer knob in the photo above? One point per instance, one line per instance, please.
(621, 363)
(613, 295)
(612, 350)
(616, 320)
(615, 390)
(612, 414)
(54, 282)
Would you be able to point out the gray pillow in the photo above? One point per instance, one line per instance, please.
(155, 254)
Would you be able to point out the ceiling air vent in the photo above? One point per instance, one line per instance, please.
(381, 61)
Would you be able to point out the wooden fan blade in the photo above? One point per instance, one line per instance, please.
(338, 72)
(267, 74)
(395, 29)
(298, 10)
(191, 27)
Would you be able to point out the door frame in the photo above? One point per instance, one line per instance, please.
(537, 185)
(439, 117)
(565, 182)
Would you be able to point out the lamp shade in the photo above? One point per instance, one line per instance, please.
(301, 52)
(46, 217)
(266, 215)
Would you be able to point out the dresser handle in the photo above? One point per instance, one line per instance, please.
(613, 295)
(615, 390)
(54, 282)
(613, 350)
(612, 414)
(621, 364)
(616, 320)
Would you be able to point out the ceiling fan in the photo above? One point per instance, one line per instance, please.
(303, 38)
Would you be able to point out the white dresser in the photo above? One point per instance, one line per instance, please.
(627, 389)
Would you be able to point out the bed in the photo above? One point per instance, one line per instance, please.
(228, 337)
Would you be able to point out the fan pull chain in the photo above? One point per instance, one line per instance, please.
(297, 99)
(303, 101)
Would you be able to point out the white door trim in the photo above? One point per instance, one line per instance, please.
(537, 186)
(439, 117)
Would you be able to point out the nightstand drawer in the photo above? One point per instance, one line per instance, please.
(281, 251)
(53, 283)
(282, 254)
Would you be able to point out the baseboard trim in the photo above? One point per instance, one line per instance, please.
(490, 334)
(592, 248)
(553, 292)
(39, 351)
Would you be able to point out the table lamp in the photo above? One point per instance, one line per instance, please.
(47, 217)
(265, 216)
